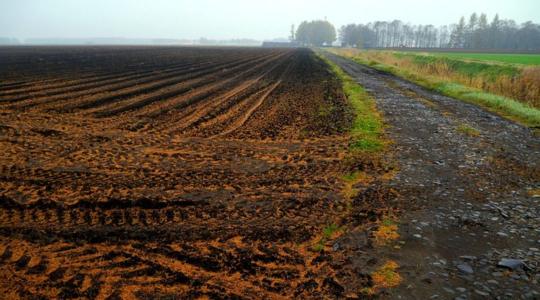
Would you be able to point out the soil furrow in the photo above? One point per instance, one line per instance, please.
(124, 195)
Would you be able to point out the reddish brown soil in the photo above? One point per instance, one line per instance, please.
(175, 172)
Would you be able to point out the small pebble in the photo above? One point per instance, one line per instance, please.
(465, 268)
(481, 293)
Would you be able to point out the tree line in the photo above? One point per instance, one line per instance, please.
(476, 33)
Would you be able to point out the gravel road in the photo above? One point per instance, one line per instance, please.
(470, 181)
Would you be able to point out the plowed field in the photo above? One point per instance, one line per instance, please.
(175, 173)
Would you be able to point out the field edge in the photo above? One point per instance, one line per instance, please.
(368, 141)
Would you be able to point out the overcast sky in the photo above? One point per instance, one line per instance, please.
(192, 19)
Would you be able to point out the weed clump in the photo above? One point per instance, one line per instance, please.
(386, 232)
(468, 130)
(386, 276)
(328, 233)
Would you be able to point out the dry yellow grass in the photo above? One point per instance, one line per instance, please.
(524, 87)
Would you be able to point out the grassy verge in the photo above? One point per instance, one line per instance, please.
(366, 132)
(367, 141)
(504, 106)
(522, 59)
(367, 126)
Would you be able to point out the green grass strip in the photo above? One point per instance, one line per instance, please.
(367, 126)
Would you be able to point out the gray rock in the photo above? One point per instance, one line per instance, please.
(449, 290)
(481, 293)
(465, 268)
(511, 263)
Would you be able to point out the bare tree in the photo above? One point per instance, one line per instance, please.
(292, 37)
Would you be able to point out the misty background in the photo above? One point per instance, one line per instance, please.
(227, 22)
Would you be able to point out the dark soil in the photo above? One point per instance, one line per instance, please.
(177, 173)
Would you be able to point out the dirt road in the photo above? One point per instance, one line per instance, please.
(470, 181)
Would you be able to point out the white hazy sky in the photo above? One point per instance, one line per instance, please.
(227, 19)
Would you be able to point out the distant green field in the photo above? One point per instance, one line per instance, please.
(524, 59)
